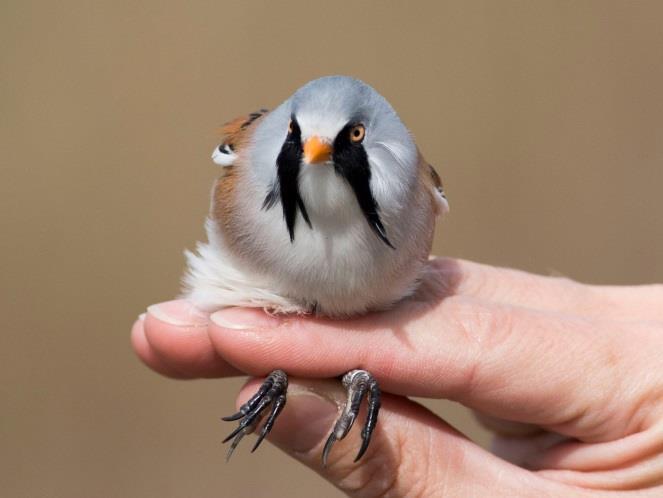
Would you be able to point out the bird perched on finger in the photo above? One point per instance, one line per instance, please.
(325, 206)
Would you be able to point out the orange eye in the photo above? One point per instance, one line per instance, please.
(357, 133)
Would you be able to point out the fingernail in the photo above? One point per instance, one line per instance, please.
(309, 420)
(179, 313)
(141, 317)
(244, 319)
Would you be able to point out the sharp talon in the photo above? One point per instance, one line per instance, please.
(269, 423)
(358, 384)
(234, 433)
(271, 392)
(234, 416)
(255, 446)
(371, 417)
(362, 450)
(234, 444)
(328, 446)
(265, 430)
(262, 435)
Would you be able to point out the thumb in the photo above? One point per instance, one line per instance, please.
(412, 452)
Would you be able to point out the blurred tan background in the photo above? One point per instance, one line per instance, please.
(545, 120)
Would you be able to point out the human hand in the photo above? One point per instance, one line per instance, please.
(568, 376)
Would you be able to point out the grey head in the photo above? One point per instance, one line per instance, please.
(341, 123)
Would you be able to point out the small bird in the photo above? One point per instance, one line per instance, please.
(325, 206)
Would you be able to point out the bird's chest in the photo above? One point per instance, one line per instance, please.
(335, 258)
(338, 262)
(334, 255)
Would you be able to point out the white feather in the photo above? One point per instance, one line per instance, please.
(213, 280)
(223, 155)
(441, 202)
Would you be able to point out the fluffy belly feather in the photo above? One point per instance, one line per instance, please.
(337, 267)
(334, 274)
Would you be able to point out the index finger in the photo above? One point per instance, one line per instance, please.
(513, 363)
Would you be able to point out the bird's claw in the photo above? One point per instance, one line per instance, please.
(357, 384)
(271, 392)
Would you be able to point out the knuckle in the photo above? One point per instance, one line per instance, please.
(479, 328)
(479, 322)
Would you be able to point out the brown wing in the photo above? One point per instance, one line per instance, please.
(434, 183)
(235, 132)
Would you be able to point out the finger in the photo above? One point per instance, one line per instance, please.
(446, 277)
(559, 372)
(412, 453)
(610, 455)
(145, 352)
(457, 277)
(177, 335)
(632, 462)
(641, 474)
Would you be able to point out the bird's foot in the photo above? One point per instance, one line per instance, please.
(357, 383)
(271, 392)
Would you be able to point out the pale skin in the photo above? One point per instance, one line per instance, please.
(568, 376)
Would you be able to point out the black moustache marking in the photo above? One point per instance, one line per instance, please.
(351, 162)
(287, 168)
(271, 198)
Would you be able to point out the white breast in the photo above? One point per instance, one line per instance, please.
(337, 267)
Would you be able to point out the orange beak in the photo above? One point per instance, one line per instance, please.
(316, 151)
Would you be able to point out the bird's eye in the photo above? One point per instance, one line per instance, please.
(289, 127)
(357, 133)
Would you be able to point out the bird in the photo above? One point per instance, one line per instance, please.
(324, 206)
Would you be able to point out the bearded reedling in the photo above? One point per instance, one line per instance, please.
(325, 206)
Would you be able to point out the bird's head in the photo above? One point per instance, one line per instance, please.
(335, 138)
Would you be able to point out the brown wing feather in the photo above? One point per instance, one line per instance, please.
(236, 134)
(236, 131)
(437, 182)
(434, 183)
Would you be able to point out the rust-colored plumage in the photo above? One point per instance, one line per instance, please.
(237, 131)
(236, 134)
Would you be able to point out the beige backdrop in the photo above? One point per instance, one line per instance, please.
(545, 120)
